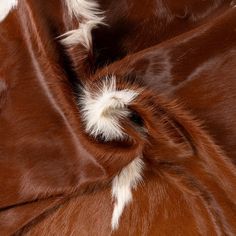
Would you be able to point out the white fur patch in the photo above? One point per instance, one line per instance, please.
(122, 186)
(103, 109)
(5, 7)
(88, 14)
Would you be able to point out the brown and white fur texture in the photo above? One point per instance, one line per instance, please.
(170, 157)
(83, 16)
(115, 112)
(177, 176)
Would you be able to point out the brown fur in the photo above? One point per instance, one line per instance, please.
(56, 180)
(134, 26)
(187, 188)
(198, 68)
